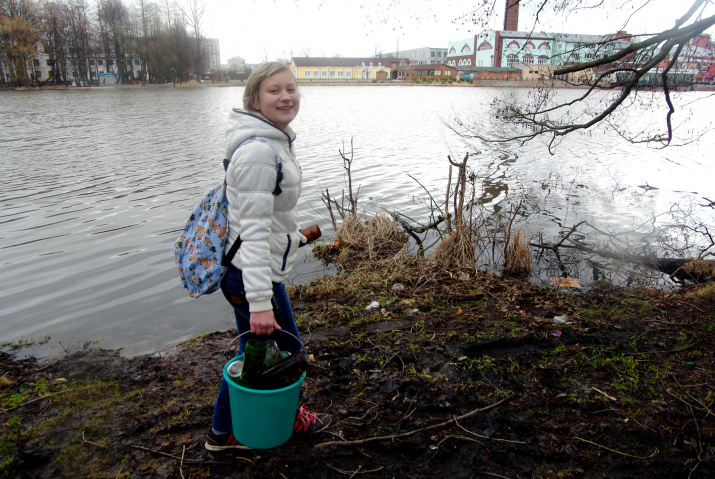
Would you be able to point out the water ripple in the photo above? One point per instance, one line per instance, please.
(93, 199)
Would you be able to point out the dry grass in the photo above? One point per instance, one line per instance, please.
(697, 269)
(378, 236)
(703, 293)
(454, 251)
(517, 260)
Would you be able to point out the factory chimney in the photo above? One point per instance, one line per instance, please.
(511, 15)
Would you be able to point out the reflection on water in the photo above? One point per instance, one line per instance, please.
(97, 184)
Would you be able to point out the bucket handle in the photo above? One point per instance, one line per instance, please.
(247, 332)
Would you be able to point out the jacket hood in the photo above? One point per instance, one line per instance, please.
(243, 125)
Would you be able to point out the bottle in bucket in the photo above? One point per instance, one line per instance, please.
(273, 354)
(286, 371)
(253, 357)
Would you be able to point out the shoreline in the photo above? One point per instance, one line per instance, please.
(543, 381)
(359, 83)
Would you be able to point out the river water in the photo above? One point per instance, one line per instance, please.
(98, 182)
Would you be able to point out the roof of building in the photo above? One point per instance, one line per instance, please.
(431, 66)
(340, 61)
(492, 69)
(561, 37)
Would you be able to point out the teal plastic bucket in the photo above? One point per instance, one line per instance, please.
(262, 419)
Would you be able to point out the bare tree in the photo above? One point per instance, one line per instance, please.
(53, 29)
(115, 25)
(633, 69)
(194, 11)
(79, 32)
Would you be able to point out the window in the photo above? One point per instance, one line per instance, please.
(36, 63)
(513, 45)
(447, 73)
(466, 49)
(91, 62)
(437, 73)
(589, 56)
(136, 61)
(544, 46)
(348, 74)
(511, 59)
(485, 45)
(542, 60)
(340, 74)
(469, 62)
(528, 59)
(315, 74)
(452, 50)
(575, 57)
(100, 62)
(432, 54)
(529, 46)
(307, 74)
(332, 73)
(49, 63)
(324, 74)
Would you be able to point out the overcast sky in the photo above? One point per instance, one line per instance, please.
(259, 30)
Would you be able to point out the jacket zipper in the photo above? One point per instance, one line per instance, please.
(285, 255)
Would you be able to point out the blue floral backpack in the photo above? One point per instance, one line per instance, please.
(199, 249)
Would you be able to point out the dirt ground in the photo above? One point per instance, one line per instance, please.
(460, 376)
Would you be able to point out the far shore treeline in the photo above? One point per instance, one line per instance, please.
(140, 41)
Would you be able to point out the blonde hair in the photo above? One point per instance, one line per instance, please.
(260, 73)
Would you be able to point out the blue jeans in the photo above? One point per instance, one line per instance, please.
(233, 290)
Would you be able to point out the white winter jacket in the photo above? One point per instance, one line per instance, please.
(267, 224)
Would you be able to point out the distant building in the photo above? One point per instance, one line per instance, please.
(436, 70)
(461, 53)
(530, 52)
(236, 64)
(421, 56)
(338, 68)
(212, 57)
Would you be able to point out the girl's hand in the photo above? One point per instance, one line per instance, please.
(263, 322)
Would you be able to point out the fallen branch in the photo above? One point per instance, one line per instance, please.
(617, 452)
(411, 433)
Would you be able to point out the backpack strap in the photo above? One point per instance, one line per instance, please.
(279, 165)
(228, 257)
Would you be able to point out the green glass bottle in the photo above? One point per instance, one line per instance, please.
(253, 357)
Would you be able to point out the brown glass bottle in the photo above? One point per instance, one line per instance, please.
(311, 233)
(286, 372)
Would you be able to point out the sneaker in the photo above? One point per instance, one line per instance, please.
(307, 421)
(224, 442)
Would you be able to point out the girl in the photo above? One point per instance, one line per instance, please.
(262, 211)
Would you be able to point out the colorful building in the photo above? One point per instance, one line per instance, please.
(346, 69)
(436, 70)
(461, 53)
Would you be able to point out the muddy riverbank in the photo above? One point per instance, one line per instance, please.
(453, 375)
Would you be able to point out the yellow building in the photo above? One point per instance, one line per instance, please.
(345, 69)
